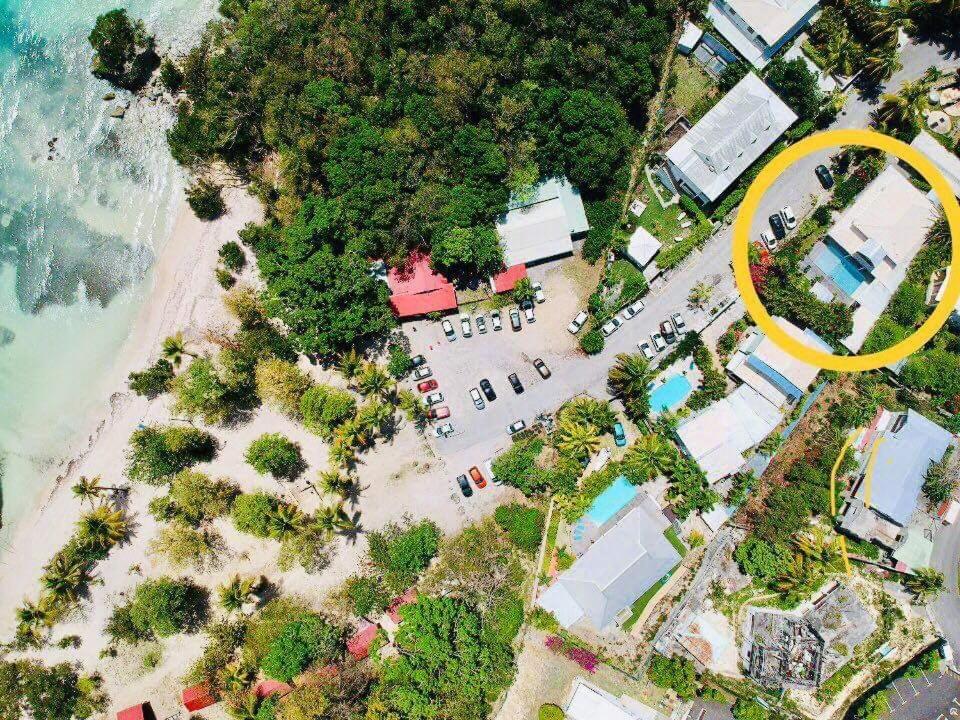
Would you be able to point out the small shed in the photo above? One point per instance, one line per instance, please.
(642, 247)
(359, 644)
(689, 38)
(143, 711)
(198, 697)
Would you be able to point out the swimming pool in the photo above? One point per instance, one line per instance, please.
(834, 262)
(611, 501)
(670, 394)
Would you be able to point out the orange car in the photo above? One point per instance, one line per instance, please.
(477, 477)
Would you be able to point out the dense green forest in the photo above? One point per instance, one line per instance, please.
(373, 128)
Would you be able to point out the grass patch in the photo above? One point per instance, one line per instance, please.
(552, 531)
(640, 604)
(678, 545)
(693, 91)
(661, 222)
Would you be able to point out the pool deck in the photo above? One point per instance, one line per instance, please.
(592, 531)
(684, 366)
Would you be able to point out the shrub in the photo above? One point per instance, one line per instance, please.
(505, 618)
(152, 381)
(273, 454)
(300, 644)
(281, 385)
(517, 466)
(367, 595)
(186, 547)
(164, 607)
(224, 278)
(603, 216)
(549, 711)
(908, 305)
(744, 709)
(592, 342)
(400, 363)
(523, 525)
(401, 552)
(122, 50)
(677, 674)
(232, 256)
(170, 76)
(206, 200)
(251, 513)
(325, 408)
(157, 451)
(196, 498)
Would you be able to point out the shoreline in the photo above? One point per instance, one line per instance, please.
(183, 295)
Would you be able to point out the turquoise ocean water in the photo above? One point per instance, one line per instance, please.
(81, 220)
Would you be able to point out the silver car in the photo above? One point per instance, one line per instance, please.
(611, 326)
(647, 351)
(465, 328)
(495, 320)
(516, 427)
(481, 324)
(445, 430)
(434, 398)
(448, 330)
(477, 399)
(658, 342)
(422, 372)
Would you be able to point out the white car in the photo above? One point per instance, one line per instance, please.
(647, 351)
(515, 427)
(448, 330)
(632, 310)
(678, 322)
(422, 372)
(577, 323)
(538, 292)
(658, 342)
(434, 398)
(465, 325)
(495, 320)
(477, 399)
(445, 430)
(611, 326)
(488, 466)
(789, 219)
(527, 307)
(768, 239)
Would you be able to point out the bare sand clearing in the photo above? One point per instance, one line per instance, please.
(396, 478)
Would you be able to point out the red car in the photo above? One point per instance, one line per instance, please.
(477, 477)
(427, 385)
(438, 413)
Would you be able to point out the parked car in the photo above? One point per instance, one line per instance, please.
(427, 385)
(464, 485)
(632, 310)
(438, 413)
(577, 323)
(647, 351)
(779, 230)
(434, 398)
(417, 360)
(445, 430)
(495, 320)
(768, 239)
(824, 176)
(477, 477)
(542, 368)
(488, 390)
(515, 383)
(481, 324)
(678, 322)
(527, 308)
(465, 328)
(538, 292)
(516, 426)
(658, 342)
(422, 372)
(611, 326)
(515, 319)
(619, 436)
(448, 330)
(666, 329)
(788, 217)
(478, 402)
(488, 467)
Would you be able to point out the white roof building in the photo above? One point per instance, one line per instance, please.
(642, 247)
(735, 132)
(588, 702)
(542, 225)
(946, 161)
(757, 29)
(718, 437)
(623, 563)
(689, 38)
(869, 248)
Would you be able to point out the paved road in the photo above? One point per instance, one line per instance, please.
(932, 696)
(946, 608)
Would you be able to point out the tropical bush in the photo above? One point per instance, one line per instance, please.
(122, 50)
(325, 408)
(206, 200)
(301, 644)
(152, 381)
(273, 454)
(251, 513)
(523, 525)
(677, 674)
(281, 385)
(402, 551)
(164, 607)
(592, 342)
(232, 256)
(158, 452)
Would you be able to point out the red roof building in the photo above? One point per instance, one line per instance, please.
(198, 697)
(508, 279)
(417, 289)
(143, 711)
(408, 598)
(359, 644)
(266, 688)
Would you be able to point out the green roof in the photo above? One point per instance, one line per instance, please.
(915, 551)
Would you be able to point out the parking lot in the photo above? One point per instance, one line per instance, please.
(934, 696)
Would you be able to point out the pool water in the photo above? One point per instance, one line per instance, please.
(670, 394)
(611, 501)
(834, 262)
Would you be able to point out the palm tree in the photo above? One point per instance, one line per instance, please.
(64, 577)
(350, 363)
(649, 457)
(590, 411)
(842, 54)
(103, 527)
(352, 434)
(699, 295)
(798, 575)
(244, 707)
(174, 348)
(373, 416)
(770, 444)
(336, 483)
(373, 380)
(904, 109)
(629, 376)
(88, 488)
(36, 615)
(883, 62)
(925, 583)
(821, 548)
(285, 520)
(237, 677)
(415, 408)
(577, 440)
(939, 232)
(238, 592)
(341, 454)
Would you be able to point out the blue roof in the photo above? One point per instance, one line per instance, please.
(568, 195)
(792, 392)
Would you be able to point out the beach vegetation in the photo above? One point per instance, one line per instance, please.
(28, 688)
(158, 452)
(171, 76)
(101, 528)
(225, 278)
(123, 50)
(523, 525)
(91, 488)
(366, 596)
(196, 498)
(243, 303)
(185, 547)
(273, 454)
(159, 608)
(153, 380)
(206, 200)
(212, 391)
(232, 256)
(325, 408)
(251, 513)
(401, 551)
(239, 592)
(300, 644)
(173, 348)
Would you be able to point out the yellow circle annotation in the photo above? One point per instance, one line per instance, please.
(741, 241)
